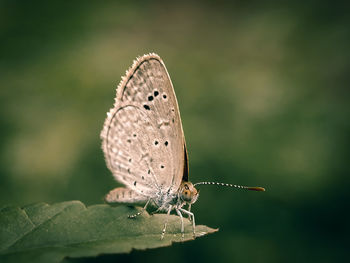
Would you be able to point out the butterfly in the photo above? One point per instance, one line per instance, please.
(144, 143)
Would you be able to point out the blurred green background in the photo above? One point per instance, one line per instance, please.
(263, 90)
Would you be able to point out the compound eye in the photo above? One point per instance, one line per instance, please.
(186, 195)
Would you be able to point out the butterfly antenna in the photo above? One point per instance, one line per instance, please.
(254, 188)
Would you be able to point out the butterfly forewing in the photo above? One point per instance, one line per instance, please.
(143, 140)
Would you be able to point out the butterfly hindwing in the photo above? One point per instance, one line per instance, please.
(124, 195)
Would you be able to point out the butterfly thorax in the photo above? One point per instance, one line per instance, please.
(163, 200)
(186, 194)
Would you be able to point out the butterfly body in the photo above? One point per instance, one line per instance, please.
(186, 194)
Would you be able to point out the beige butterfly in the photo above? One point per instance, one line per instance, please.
(144, 144)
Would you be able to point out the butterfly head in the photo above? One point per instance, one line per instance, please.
(188, 193)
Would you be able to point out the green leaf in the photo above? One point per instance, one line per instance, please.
(49, 233)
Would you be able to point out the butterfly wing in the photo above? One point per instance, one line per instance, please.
(125, 195)
(142, 137)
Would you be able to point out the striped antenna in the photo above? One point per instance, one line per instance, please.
(255, 188)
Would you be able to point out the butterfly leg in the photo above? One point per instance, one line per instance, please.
(193, 222)
(140, 212)
(189, 210)
(182, 223)
(166, 222)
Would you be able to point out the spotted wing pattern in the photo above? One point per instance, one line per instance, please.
(142, 137)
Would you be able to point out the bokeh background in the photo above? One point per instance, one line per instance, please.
(263, 90)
